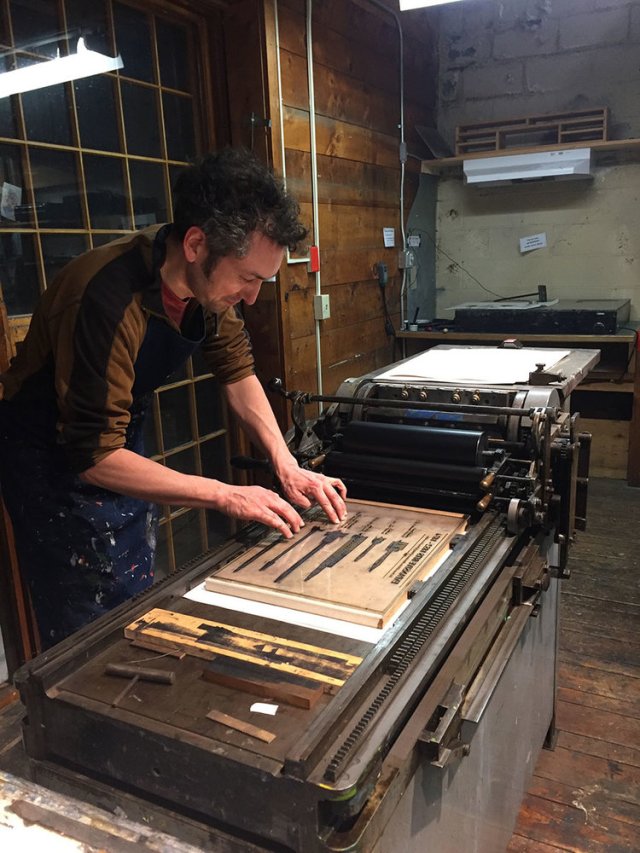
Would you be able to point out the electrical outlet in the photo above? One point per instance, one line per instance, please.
(321, 306)
(406, 259)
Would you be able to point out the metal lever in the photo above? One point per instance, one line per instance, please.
(304, 440)
(441, 739)
(249, 463)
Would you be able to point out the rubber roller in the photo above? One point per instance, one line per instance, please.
(425, 444)
(396, 471)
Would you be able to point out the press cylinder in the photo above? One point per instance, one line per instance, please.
(426, 444)
(396, 471)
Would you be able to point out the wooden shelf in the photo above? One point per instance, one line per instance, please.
(623, 336)
(628, 147)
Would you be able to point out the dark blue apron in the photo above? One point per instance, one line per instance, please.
(83, 550)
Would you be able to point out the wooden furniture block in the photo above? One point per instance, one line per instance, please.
(203, 638)
(359, 571)
(260, 681)
(240, 726)
(552, 129)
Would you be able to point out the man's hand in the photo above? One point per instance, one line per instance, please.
(253, 503)
(128, 473)
(304, 488)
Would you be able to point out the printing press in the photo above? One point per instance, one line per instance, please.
(418, 731)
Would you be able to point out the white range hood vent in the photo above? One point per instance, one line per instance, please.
(567, 164)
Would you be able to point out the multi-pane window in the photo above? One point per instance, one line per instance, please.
(86, 161)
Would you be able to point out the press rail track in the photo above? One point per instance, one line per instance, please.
(416, 638)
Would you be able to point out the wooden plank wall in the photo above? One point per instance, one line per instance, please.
(246, 53)
(356, 77)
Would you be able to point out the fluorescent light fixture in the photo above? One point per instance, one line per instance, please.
(84, 63)
(540, 165)
(405, 5)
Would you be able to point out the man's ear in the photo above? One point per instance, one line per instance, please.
(194, 244)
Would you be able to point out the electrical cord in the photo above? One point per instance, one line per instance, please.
(382, 274)
(458, 264)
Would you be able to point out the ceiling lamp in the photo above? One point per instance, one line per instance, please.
(84, 63)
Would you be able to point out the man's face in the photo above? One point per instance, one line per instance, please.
(234, 279)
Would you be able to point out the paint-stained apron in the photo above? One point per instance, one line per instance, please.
(83, 550)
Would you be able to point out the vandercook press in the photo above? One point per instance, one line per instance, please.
(410, 650)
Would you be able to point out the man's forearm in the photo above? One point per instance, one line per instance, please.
(128, 473)
(250, 405)
(302, 487)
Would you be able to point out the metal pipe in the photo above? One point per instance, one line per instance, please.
(314, 182)
(276, 16)
(402, 150)
(423, 407)
(314, 163)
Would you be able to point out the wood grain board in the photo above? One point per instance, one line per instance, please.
(266, 683)
(166, 629)
(359, 571)
(540, 130)
(240, 726)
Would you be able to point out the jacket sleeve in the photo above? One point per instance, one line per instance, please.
(95, 346)
(227, 348)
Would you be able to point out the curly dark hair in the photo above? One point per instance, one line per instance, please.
(230, 194)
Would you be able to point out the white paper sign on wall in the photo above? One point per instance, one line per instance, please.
(534, 241)
(389, 236)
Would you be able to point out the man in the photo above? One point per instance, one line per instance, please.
(110, 329)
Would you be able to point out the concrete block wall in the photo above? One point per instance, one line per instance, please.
(513, 58)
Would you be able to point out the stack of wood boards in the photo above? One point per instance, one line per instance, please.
(258, 663)
(569, 129)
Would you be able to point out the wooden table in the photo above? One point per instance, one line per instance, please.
(608, 400)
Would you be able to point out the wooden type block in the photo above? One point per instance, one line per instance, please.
(254, 679)
(206, 639)
(359, 571)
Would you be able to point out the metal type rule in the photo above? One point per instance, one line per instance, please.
(277, 540)
(377, 540)
(392, 547)
(293, 545)
(329, 537)
(339, 554)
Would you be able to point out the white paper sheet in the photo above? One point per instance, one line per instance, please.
(264, 708)
(337, 627)
(474, 365)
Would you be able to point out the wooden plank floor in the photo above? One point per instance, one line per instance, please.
(585, 795)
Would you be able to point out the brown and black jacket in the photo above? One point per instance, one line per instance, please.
(100, 341)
